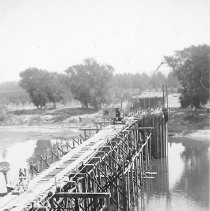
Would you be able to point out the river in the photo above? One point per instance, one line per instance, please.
(181, 183)
(182, 180)
(21, 144)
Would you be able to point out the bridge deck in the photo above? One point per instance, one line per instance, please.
(57, 173)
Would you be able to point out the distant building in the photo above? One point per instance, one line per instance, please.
(147, 100)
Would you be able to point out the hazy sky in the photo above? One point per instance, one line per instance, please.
(132, 36)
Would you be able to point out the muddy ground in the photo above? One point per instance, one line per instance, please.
(185, 122)
(35, 124)
(46, 116)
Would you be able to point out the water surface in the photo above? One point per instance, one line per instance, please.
(182, 180)
(21, 144)
(181, 183)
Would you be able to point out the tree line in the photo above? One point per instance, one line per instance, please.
(43, 86)
(94, 84)
(91, 83)
(34, 87)
(12, 93)
(192, 66)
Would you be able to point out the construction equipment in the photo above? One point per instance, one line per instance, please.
(114, 114)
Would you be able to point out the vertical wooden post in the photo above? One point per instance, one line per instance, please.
(131, 181)
(164, 138)
(125, 193)
(166, 129)
(58, 154)
(157, 136)
(136, 175)
(128, 189)
(108, 204)
(117, 193)
(38, 167)
(167, 98)
(145, 155)
(142, 164)
(163, 97)
(140, 168)
(150, 148)
(161, 137)
(76, 205)
(85, 135)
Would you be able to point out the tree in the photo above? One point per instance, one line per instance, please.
(90, 82)
(131, 81)
(42, 86)
(123, 80)
(191, 66)
(157, 80)
(161, 79)
(11, 92)
(121, 95)
(33, 81)
(54, 88)
(144, 80)
(172, 80)
(65, 87)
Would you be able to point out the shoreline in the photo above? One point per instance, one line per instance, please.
(194, 135)
(189, 125)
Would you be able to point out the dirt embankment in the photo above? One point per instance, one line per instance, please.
(185, 123)
(47, 116)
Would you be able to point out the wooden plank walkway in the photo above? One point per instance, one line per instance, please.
(56, 174)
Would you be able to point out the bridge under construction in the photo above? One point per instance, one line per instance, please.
(104, 172)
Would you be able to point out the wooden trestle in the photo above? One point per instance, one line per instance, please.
(105, 172)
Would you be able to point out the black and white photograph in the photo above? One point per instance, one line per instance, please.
(104, 105)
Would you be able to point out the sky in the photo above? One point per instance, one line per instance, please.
(131, 35)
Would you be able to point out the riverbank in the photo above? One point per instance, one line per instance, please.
(46, 124)
(47, 116)
(187, 123)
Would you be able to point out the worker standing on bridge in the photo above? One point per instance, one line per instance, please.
(23, 179)
(165, 113)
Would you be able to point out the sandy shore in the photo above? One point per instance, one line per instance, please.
(197, 135)
(202, 135)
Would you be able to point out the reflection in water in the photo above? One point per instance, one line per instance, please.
(45, 153)
(43, 148)
(16, 155)
(195, 180)
(4, 153)
(3, 188)
(182, 182)
(20, 154)
(175, 163)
